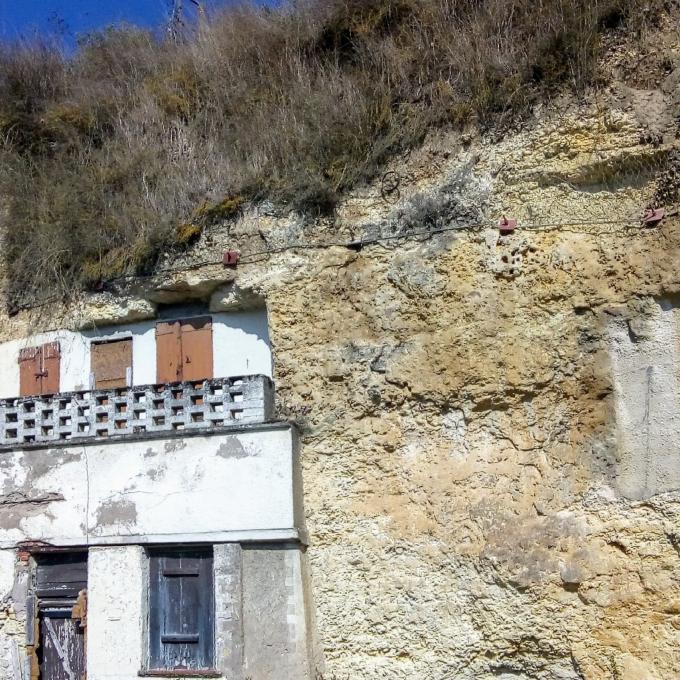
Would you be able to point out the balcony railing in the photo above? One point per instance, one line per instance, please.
(119, 412)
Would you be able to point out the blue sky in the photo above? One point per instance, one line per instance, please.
(67, 19)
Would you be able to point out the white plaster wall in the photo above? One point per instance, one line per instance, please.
(241, 344)
(7, 560)
(115, 613)
(647, 394)
(240, 347)
(222, 487)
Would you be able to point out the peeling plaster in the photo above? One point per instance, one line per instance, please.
(175, 445)
(41, 462)
(232, 448)
(156, 473)
(113, 512)
(17, 506)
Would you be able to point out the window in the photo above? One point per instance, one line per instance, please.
(181, 610)
(184, 350)
(39, 370)
(111, 363)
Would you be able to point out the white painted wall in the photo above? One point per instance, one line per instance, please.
(221, 487)
(240, 347)
(116, 587)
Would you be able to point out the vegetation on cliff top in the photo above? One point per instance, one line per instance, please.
(134, 144)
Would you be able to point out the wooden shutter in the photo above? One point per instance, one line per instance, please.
(197, 352)
(61, 575)
(39, 370)
(168, 352)
(181, 610)
(30, 364)
(110, 362)
(184, 350)
(50, 368)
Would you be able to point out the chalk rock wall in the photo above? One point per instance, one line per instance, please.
(490, 424)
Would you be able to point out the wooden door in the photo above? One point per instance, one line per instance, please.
(39, 370)
(110, 362)
(62, 646)
(61, 585)
(184, 350)
(197, 352)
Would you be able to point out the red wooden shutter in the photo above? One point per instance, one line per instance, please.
(39, 370)
(50, 368)
(168, 352)
(30, 381)
(109, 362)
(197, 351)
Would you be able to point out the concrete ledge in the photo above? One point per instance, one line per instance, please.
(211, 537)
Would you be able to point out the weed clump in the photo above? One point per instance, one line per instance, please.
(131, 146)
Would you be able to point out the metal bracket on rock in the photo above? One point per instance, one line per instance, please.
(507, 226)
(653, 216)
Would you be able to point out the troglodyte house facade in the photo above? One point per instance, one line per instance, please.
(151, 508)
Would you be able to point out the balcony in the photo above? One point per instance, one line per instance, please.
(209, 405)
(179, 463)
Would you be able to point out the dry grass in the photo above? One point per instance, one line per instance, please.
(135, 144)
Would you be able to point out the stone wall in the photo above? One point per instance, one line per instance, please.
(488, 424)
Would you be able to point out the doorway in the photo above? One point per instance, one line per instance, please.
(61, 589)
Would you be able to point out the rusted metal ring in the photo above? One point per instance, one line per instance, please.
(389, 186)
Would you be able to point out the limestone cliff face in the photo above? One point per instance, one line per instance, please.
(490, 424)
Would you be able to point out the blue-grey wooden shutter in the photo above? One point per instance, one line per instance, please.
(181, 610)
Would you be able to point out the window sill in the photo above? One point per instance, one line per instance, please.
(180, 673)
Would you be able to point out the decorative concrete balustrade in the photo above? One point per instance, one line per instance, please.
(125, 411)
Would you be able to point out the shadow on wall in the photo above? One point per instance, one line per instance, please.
(645, 361)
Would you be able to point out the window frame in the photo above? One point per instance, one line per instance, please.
(40, 369)
(106, 340)
(153, 645)
(174, 359)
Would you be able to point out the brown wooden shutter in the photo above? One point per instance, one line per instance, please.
(30, 380)
(168, 352)
(109, 363)
(197, 352)
(50, 368)
(39, 370)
